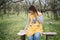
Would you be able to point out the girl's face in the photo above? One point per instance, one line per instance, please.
(31, 11)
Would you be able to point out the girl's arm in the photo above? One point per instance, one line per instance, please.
(40, 17)
(27, 24)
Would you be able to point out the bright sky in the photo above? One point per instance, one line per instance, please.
(42, 1)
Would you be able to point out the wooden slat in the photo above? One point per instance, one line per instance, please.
(49, 33)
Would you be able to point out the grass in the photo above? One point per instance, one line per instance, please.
(10, 26)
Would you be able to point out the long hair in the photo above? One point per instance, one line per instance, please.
(32, 8)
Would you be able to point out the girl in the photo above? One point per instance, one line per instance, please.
(34, 27)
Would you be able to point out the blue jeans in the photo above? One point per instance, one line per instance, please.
(36, 36)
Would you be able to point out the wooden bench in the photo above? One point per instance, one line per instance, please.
(22, 34)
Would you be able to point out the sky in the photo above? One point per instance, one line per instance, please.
(42, 1)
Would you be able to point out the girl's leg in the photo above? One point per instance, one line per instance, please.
(30, 37)
(37, 36)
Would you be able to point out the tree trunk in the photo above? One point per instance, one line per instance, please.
(55, 15)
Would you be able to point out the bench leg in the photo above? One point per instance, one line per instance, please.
(46, 37)
(23, 37)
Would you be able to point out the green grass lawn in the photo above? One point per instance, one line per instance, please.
(10, 26)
